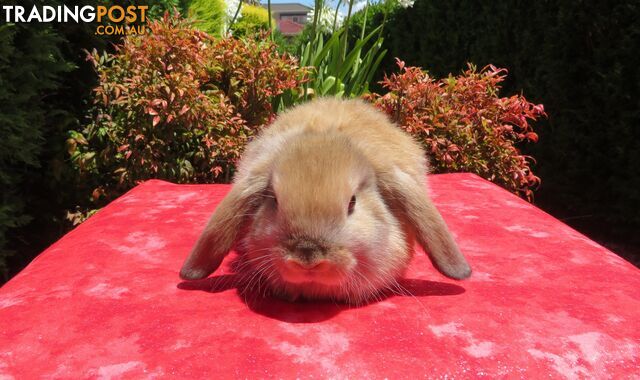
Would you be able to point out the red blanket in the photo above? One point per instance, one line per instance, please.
(106, 302)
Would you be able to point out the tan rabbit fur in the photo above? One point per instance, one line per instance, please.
(327, 203)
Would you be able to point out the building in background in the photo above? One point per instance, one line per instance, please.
(290, 17)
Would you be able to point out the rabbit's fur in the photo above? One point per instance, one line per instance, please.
(327, 203)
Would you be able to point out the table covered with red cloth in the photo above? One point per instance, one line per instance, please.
(105, 301)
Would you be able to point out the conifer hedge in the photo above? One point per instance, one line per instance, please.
(579, 58)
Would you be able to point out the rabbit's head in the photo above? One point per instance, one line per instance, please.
(322, 227)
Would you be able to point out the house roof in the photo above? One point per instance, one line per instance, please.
(289, 28)
(288, 7)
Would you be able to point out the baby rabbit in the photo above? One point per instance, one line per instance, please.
(327, 203)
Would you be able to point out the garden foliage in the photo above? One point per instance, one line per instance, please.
(177, 105)
(579, 58)
(339, 67)
(209, 15)
(254, 20)
(31, 65)
(45, 82)
(463, 123)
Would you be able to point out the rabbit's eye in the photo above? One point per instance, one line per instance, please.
(272, 195)
(352, 205)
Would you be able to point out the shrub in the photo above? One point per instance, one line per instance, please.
(158, 8)
(341, 67)
(286, 44)
(177, 105)
(255, 78)
(44, 86)
(464, 124)
(31, 67)
(254, 19)
(209, 15)
(372, 16)
(580, 59)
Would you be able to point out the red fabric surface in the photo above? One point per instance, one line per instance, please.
(106, 302)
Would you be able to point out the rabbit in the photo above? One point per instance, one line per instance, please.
(327, 203)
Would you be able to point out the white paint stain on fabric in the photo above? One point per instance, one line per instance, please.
(566, 364)
(529, 231)
(478, 250)
(480, 349)
(124, 212)
(115, 371)
(614, 318)
(450, 328)
(128, 199)
(8, 301)
(63, 371)
(578, 257)
(530, 274)
(170, 201)
(104, 290)
(144, 246)
(515, 204)
(180, 344)
(57, 292)
(481, 276)
(182, 197)
(323, 346)
(588, 345)
(588, 354)
(475, 347)
(61, 291)
(4, 372)
(475, 184)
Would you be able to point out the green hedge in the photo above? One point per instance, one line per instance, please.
(45, 82)
(30, 66)
(254, 19)
(580, 59)
(209, 15)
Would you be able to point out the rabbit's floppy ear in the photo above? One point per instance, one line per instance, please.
(223, 228)
(410, 197)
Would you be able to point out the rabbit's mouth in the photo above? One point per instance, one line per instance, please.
(322, 272)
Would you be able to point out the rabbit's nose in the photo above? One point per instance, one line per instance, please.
(308, 249)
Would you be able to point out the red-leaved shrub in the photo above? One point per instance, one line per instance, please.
(179, 105)
(254, 77)
(463, 123)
